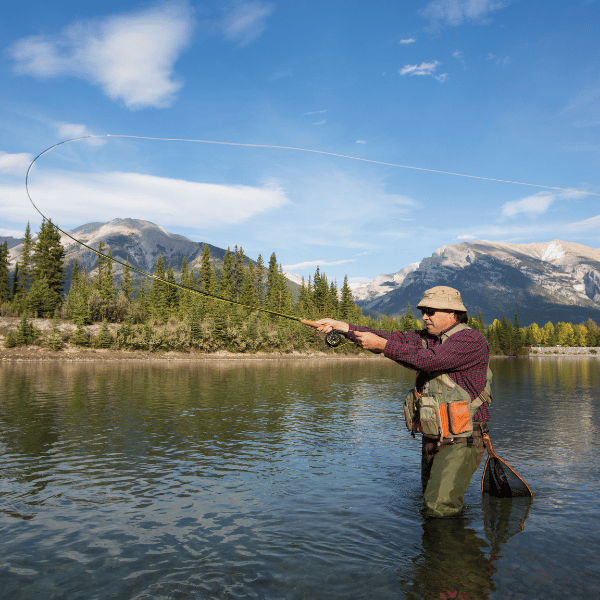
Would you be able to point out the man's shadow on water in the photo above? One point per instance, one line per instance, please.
(452, 563)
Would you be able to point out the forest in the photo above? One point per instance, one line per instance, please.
(245, 306)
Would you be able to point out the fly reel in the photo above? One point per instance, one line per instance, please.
(334, 338)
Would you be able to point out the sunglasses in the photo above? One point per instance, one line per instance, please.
(431, 311)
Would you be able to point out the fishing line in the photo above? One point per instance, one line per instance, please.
(333, 338)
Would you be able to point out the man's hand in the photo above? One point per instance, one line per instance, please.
(327, 325)
(370, 341)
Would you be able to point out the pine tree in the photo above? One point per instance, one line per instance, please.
(304, 307)
(225, 276)
(205, 269)
(48, 266)
(172, 291)
(346, 307)
(239, 270)
(25, 263)
(4, 274)
(259, 280)
(107, 280)
(127, 281)
(247, 291)
(158, 293)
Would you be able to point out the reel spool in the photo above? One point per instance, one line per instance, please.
(334, 338)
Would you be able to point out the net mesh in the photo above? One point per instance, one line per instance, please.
(500, 479)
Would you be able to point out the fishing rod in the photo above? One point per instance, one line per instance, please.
(333, 339)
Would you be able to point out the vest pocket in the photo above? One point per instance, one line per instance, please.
(434, 422)
(459, 417)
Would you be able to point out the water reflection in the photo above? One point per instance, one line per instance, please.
(455, 562)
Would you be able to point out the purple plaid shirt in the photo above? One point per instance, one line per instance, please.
(464, 356)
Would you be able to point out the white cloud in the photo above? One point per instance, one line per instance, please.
(466, 236)
(538, 203)
(15, 163)
(130, 56)
(246, 21)
(425, 68)
(532, 205)
(309, 264)
(361, 142)
(591, 223)
(408, 41)
(315, 112)
(456, 12)
(170, 202)
(321, 122)
(12, 233)
(72, 131)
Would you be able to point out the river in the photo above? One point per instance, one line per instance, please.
(285, 479)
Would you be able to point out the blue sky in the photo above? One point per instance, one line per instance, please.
(506, 90)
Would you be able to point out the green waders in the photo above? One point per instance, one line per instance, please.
(446, 471)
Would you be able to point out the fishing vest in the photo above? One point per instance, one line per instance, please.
(443, 409)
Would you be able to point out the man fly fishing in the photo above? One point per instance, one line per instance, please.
(450, 402)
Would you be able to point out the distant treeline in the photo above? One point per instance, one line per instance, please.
(159, 316)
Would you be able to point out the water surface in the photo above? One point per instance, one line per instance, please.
(284, 479)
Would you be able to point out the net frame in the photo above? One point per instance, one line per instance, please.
(494, 464)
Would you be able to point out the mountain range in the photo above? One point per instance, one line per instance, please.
(540, 282)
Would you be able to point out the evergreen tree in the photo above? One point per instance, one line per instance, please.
(15, 282)
(127, 281)
(346, 308)
(505, 332)
(26, 333)
(517, 338)
(225, 276)
(205, 270)
(48, 265)
(172, 291)
(158, 293)
(24, 281)
(247, 291)
(185, 298)
(107, 279)
(409, 322)
(305, 308)
(101, 263)
(259, 281)
(239, 271)
(4, 274)
(272, 291)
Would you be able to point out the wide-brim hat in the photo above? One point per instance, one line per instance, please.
(443, 298)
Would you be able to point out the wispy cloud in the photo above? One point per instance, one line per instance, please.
(315, 112)
(310, 264)
(15, 163)
(537, 204)
(499, 60)
(130, 56)
(456, 12)
(321, 122)
(169, 202)
(246, 21)
(71, 131)
(425, 68)
(408, 41)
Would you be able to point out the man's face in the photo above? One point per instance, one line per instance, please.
(437, 320)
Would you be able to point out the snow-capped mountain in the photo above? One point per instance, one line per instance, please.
(552, 281)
